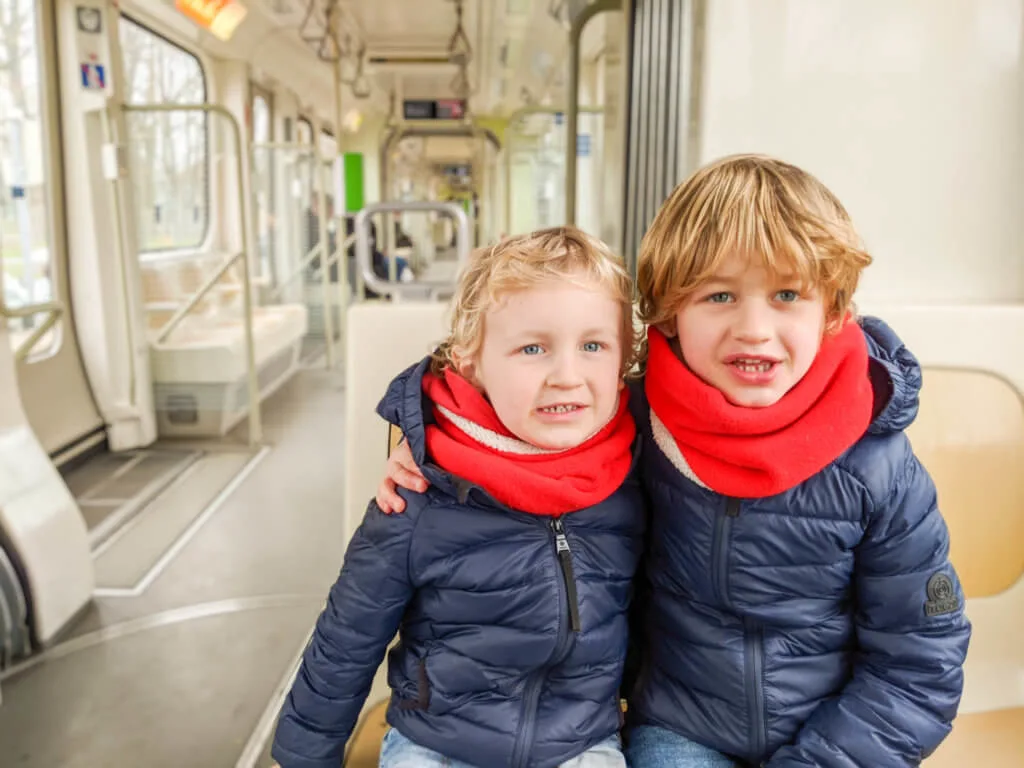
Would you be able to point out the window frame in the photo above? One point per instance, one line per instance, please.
(179, 252)
(257, 91)
(303, 120)
(54, 190)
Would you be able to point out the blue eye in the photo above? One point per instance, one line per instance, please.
(531, 349)
(787, 296)
(719, 298)
(592, 346)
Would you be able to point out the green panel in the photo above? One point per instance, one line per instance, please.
(353, 181)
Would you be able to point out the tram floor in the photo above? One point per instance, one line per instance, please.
(185, 670)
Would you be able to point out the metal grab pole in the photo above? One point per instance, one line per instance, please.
(341, 257)
(364, 259)
(325, 270)
(573, 114)
(189, 305)
(255, 422)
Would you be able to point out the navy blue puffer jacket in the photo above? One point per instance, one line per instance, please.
(488, 669)
(819, 627)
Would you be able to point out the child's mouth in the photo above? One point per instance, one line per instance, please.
(561, 408)
(754, 366)
(753, 370)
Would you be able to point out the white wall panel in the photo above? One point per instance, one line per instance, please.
(910, 110)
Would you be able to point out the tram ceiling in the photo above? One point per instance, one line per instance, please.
(499, 54)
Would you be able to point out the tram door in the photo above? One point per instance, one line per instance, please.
(54, 390)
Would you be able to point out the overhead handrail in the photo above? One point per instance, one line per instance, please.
(573, 112)
(364, 259)
(515, 117)
(255, 422)
(400, 132)
(53, 310)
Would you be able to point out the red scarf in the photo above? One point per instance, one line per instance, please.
(515, 473)
(755, 452)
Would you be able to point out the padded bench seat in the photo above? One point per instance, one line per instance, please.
(200, 372)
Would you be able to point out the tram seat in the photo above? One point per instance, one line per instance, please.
(382, 340)
(970, 436)
(200, 371)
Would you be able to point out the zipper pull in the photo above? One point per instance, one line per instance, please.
(561, 542)
(565, 561)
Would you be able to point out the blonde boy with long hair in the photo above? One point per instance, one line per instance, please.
(509, 579)
(798, 604)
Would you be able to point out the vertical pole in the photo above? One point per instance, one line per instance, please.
(339, 210)
(572, 111)
(255, 422)
(325, 267)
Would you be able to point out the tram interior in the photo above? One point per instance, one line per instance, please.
(226, 226)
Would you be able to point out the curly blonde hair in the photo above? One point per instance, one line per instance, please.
(759, 207)
(558, 254)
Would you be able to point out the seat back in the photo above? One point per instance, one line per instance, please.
(969, 433)
(383, 339)
(970, 436)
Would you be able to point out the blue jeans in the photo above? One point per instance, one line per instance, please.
(653, 747)
(399, 752)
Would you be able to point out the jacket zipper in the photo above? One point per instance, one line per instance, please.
(568, 574)
(753, 647)
(720, 550)
(754, 653)
(531, 693)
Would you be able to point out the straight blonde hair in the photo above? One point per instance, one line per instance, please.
(761, 208)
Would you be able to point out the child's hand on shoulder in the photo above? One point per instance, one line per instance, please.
(401, 471)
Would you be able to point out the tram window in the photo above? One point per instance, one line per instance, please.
(170, 149)
(263, 178)
(328, 144)
(26, 245)
(304, 131)
(261, 131)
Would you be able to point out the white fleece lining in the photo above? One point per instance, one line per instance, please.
(507, 444)
(664, 440)
(491, 439)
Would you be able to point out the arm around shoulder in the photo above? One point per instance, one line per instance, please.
(912, 635)
(362, 615)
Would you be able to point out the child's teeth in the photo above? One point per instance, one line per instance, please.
(753, 367)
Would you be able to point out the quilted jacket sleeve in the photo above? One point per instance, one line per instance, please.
(912, 635)
(362, 615)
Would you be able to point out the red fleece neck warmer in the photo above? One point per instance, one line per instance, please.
(755, 452)
(469, 441)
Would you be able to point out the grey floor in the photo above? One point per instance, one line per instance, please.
(181, 664)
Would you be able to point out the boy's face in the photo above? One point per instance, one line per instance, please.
(550, 363)
(749, 333)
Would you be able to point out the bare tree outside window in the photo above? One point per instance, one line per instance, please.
(169, 150)
(25, 248)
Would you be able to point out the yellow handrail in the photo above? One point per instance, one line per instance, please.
(167, 328)
(255, 422)
(53, 311)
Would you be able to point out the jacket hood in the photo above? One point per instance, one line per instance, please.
(895, 377)
(405, 405)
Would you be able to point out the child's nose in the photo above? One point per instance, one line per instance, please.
(565, 372)
(752, 322)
